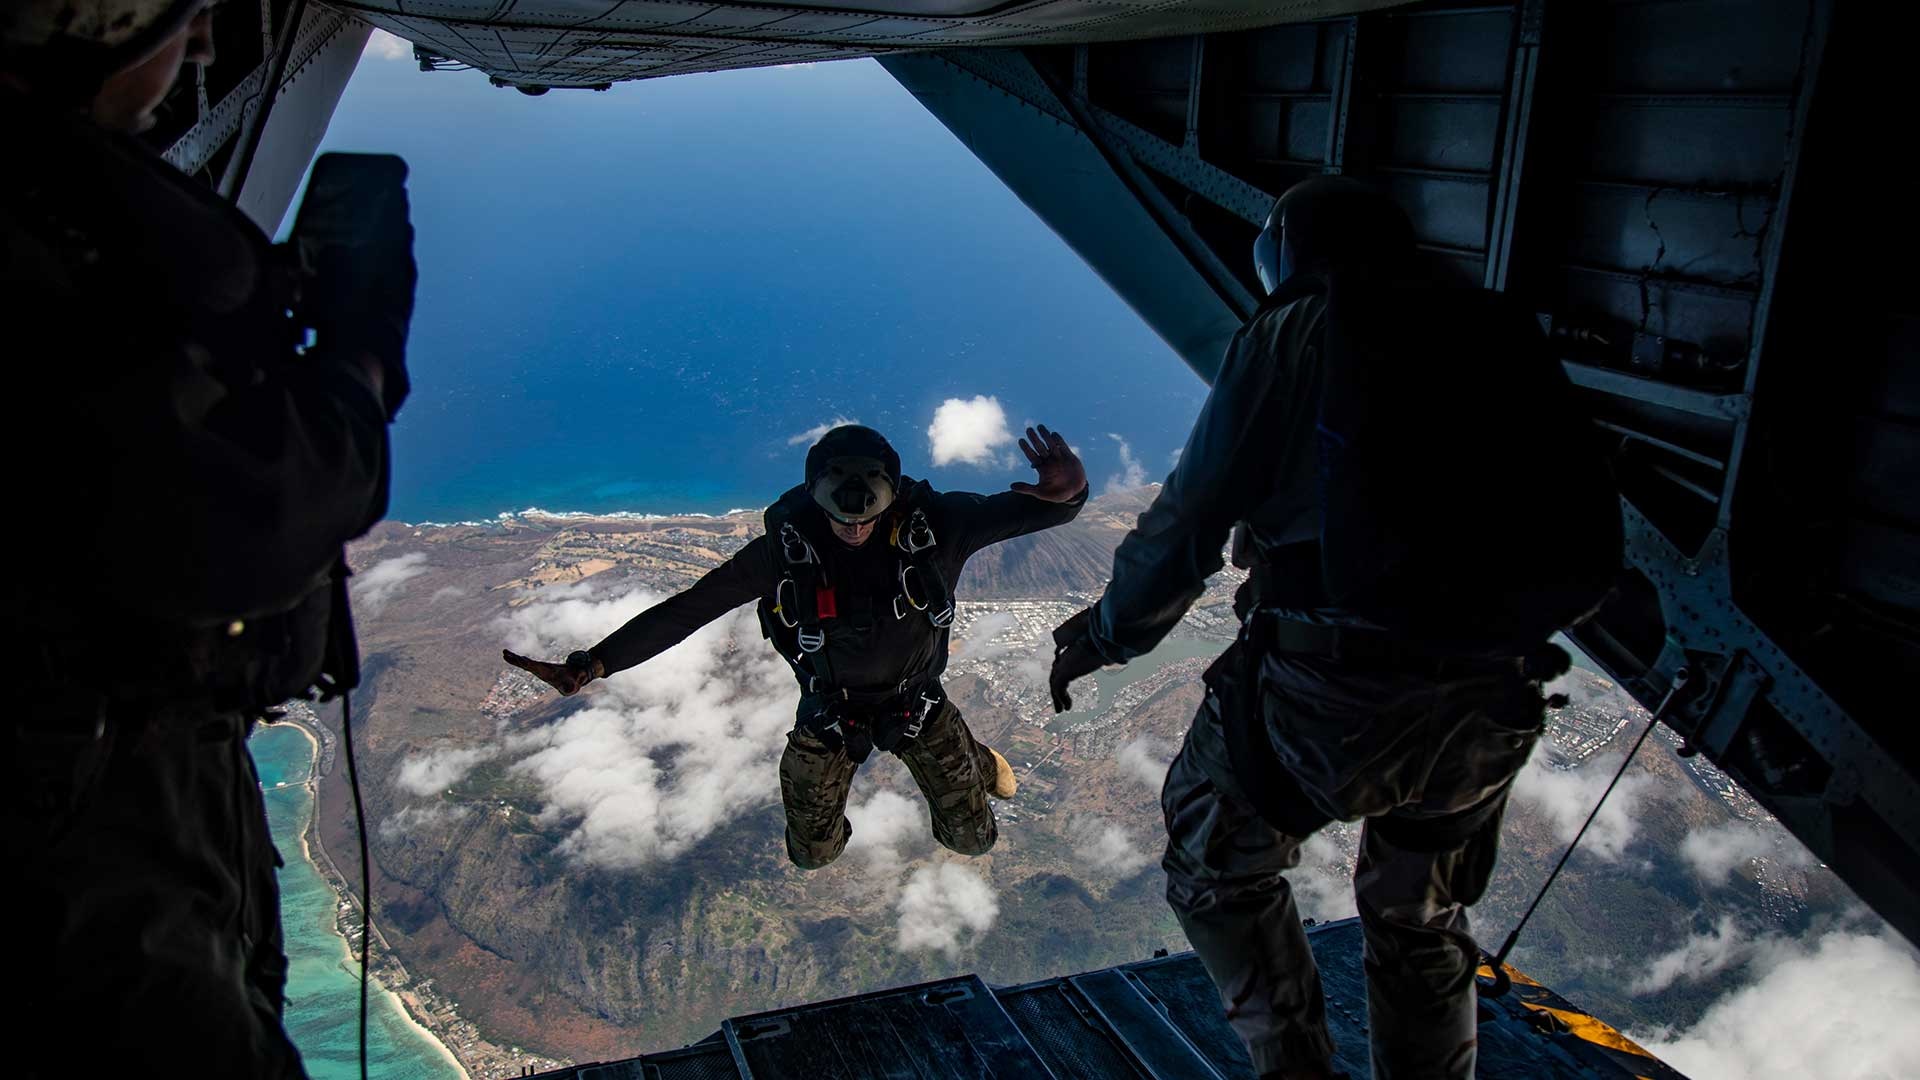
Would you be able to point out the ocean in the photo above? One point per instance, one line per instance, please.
(323, 986)
(642, 299)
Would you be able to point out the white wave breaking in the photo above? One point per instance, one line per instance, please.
(535, 513)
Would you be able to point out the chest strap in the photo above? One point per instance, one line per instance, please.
(922, 587)
(803, 599)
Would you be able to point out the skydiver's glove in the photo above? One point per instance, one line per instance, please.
(579, 669)
(1074, 655)
(354, 241)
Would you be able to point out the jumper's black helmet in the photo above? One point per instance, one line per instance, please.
(1328, 223)
(853, 473)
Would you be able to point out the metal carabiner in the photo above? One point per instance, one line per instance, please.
(794, 546)
(912, 727)
(906, 587)
(781, 606)
(918, 535)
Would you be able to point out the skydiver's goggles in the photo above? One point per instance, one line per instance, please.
(853, 490)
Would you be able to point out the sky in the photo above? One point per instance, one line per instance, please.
(641, 299)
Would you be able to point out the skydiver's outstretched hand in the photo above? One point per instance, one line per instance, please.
(1062, 477)
(566, 677)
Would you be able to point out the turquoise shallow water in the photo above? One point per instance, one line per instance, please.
(323, 986)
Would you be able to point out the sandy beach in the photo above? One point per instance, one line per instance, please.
(311, 851)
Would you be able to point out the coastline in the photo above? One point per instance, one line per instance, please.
(316, 856)
(534, 513)
(508, 518)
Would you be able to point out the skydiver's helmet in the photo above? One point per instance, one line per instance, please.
(1328, 223)
(72, 47)
(854, 474)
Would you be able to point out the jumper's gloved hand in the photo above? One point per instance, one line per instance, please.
(579, 669)
(354, 240)
(1073, 656)
(1062, 477)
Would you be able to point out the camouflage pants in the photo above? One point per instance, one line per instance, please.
(1402, 753)
(144, 898)
(952, 769)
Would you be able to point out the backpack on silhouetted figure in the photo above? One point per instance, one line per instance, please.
(1466, 500)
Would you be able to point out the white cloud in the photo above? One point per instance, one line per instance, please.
(412, 819)
(1566, 797)
(967, 431)
(1323, 882)
(1107, 847)
(1132, 474)
(944, 907)
(812, 434)
(1715, 852)
(881, 825)
(665, 753)
(1033, 671)
(985, 639)
(1840, 1008)
(1700, 956)
(437, 770)
(377, 584)
(386, 46)
(446, 592)
(1146, 759)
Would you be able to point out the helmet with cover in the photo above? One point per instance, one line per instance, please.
(853, 474)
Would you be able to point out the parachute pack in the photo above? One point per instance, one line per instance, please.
(1466, 502)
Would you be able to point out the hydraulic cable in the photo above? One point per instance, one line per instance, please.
(1502, 982)
(366, 877)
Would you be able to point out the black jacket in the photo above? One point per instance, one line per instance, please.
(1249, 460)
(867, 648)
(191, 469)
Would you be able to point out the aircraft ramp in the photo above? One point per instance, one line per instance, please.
(1155, 1019)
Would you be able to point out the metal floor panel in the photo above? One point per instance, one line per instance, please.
(1070, 1037)
(1155, 1043)
(706, 1061)
(953, 1028)
(1156, 1019)
(1180, 987)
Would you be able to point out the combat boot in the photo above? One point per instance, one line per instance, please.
(1003, 784)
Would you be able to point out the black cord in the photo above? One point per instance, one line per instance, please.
(1501, 981)
(366, 877)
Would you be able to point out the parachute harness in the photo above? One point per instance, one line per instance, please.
(921, 586)
(1502, 982)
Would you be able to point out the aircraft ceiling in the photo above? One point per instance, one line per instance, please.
(591, 43)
